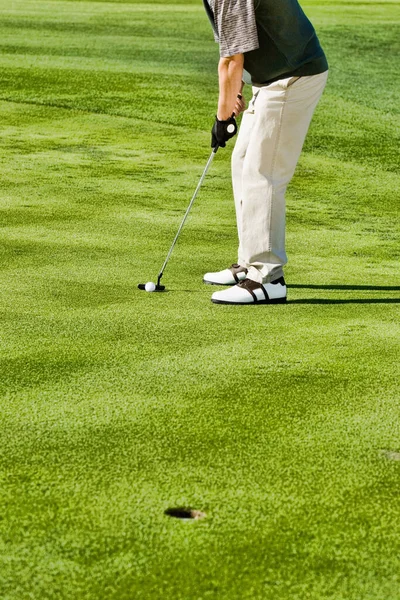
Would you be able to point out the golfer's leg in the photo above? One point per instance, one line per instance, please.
(238, 157)
(283, 112)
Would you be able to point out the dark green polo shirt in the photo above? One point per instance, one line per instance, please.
(275, 37)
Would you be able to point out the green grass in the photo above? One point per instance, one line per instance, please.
(281, 422)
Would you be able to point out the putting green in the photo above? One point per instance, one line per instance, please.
(280, 423)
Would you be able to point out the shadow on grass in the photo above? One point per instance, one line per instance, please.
(377, 288)
(349, 301)
(373, 288)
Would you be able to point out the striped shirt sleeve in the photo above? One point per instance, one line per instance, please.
(235, 24)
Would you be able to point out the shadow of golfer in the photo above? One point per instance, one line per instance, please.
(349, 301)
(378, 288)
(374, 288)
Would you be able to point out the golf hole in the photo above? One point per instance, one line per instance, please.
(184, 513)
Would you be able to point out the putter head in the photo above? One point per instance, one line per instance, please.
(159, 288)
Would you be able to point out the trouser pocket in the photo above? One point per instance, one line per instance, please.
(251, 107)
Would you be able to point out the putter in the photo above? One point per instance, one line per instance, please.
(159, 287)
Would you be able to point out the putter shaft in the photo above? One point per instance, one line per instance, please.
(187, 213)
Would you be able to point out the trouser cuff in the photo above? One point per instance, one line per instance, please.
(258, 275)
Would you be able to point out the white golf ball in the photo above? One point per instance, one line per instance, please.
(150, 286)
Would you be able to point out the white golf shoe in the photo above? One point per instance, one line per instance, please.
(230, 276)
(252, 292)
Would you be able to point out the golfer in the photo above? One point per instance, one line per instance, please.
(272, 45)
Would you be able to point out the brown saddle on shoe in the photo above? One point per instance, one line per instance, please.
(249, 285)
(235, 269)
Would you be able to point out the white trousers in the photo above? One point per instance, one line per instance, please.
(264, 159)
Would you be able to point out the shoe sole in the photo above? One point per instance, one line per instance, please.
(273, 301)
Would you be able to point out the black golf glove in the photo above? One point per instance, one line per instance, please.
(223, 131)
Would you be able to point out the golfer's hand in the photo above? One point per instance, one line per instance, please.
(240, 105)
(223, 131)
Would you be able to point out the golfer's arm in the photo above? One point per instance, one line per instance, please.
(230, 72)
